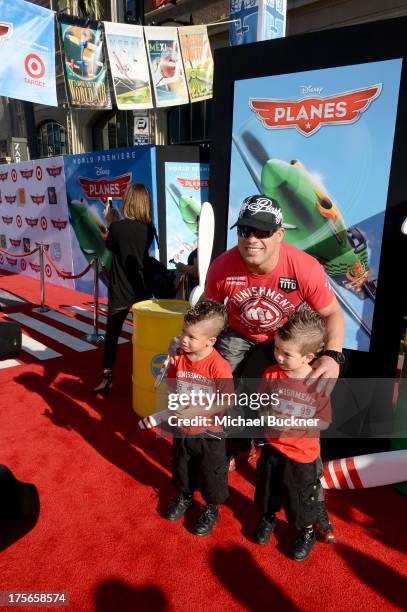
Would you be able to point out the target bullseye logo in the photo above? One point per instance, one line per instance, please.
(19, 221)
(48, 271)
(14, 175)
(34, 66)
(38, 173)
(44, 224)
(23, 265)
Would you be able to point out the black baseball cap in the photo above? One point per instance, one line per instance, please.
(260, 212)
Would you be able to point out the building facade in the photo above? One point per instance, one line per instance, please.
(53, 131)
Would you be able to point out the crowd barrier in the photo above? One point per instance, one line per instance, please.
(42, 249)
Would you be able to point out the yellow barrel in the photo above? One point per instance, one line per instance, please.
(156, 322)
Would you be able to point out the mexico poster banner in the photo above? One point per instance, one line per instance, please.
(84, 63)
(27, 40)
(198, 62)
(128, 65)
(166, 66)
(320, 143)
(186, 188)
(91, 179)
(33, 209)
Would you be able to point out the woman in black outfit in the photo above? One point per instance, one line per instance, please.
(129, 241)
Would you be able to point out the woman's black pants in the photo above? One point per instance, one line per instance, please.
(115, 320)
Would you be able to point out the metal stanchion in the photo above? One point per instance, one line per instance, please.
(96, 336)
(42, 308)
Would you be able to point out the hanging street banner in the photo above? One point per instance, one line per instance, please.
(84, 62)
(256, 20)
(27, 41)
(128, 65)
(198, 62)
(166, 66)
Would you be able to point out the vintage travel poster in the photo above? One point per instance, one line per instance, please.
(198, 62)
(167, 70)
(84, 63)
(128, 65)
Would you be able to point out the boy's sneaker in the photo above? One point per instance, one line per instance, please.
(303, 544)
(179, 507)
(325, 534)
(324, 528)
(207, 521)
(264, 529)
(231, 463)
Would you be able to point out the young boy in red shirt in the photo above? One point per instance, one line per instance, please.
(289, 468)
(199, 452)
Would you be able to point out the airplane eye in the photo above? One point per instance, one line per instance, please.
(327, 204)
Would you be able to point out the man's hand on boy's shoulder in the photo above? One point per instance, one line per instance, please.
(326, 371)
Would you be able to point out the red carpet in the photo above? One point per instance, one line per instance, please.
(103, 486)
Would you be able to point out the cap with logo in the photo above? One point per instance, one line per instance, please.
(260, 212)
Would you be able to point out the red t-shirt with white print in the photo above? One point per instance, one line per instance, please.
(209, 375)
(258, 304)
(300, 400)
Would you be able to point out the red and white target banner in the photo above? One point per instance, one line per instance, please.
(27, 40)
(33, 209)
(365, 471)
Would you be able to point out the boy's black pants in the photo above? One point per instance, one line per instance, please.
(284, 483)
(201, 463)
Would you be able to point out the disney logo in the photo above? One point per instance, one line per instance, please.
(100, 171)
(309, 89)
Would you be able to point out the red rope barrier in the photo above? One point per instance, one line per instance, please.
(66, 275)
(19, 254)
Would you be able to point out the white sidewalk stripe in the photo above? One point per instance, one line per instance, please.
(36, 349)
(8, 363)
(71, 322)
(89, 315)
(56, 334)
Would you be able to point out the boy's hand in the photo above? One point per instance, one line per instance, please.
(173, 349)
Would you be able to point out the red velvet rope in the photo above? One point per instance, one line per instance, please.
(19, 254)
(63, 274)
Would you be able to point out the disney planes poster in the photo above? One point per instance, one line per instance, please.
(320, 142)
(91, 180)
(186, 187)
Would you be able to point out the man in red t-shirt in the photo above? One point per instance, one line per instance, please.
(264, 280)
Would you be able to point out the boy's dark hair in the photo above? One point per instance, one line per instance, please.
(307, 328)
(210, 311)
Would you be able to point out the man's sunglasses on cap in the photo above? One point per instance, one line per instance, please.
(245, 232)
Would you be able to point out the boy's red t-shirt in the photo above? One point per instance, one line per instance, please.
(210, 374)
(258, 304)
(300, 400)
